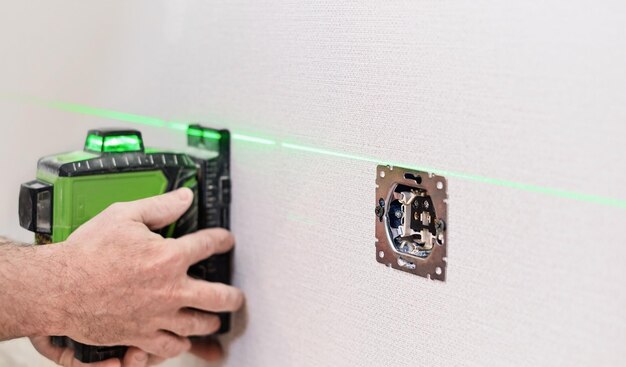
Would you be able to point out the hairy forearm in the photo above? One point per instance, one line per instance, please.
(29, 290)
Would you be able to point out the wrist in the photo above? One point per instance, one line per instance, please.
(32, 292)
(52, 295)
(14, 297)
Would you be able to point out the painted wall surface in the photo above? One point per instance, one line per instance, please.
(531, 91)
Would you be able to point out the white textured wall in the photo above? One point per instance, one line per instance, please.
(529, 91)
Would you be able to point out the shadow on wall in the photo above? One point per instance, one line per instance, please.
(239, 325)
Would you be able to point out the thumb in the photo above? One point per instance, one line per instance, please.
(135, 357)
(158, 211)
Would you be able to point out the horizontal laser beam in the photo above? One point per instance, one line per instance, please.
(328, 152)
(252, 139)
(136, 119)
(182, 126)
(476, 178)
(109, 114)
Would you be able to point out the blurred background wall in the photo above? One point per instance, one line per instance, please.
(532, 92)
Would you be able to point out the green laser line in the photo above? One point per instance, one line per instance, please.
(175, 125)
(113, 115)
(137, 119)
(252, 139)
(328, 152)
(476, 178)
(182, 127)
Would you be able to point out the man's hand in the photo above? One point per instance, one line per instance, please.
(115, 282)
(207, 349)
(65, 356)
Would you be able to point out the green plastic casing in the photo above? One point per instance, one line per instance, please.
(78, 199)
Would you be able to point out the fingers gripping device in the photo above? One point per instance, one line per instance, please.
(114, 166)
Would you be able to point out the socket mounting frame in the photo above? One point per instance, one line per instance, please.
(411, 221)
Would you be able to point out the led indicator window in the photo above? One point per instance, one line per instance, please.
(124, 143)
(94, 143)
(114, 141)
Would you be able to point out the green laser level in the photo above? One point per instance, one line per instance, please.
(114, 166)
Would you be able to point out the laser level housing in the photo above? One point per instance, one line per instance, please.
(114, 166)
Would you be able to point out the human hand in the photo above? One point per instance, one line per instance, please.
(65, 356)
(122, 284)
(207, 349)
